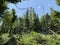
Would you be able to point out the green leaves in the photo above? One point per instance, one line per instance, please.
(3, 7)
(58, 2)
(26, 19)
(3, 4)
(9, 20)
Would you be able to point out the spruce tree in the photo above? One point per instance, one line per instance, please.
(26, 20)
(36, 24)
(45, 21)
(55, 17)
(21, 22)
(34, 21)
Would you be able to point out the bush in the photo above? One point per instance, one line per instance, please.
(34, 38)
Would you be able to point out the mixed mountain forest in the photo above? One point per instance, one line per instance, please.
(28, 29)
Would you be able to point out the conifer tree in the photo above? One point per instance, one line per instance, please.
(8, 20)
(36, 24)
(26, 20)
(34, 21)
(31, 18)
(45, 21)
(21, 22)
(55, 17)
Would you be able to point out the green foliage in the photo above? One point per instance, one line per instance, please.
(29, 39)
(26, 20)
(58, 2)
(34, 21)
(51, 22)
(34, 38)
(28, 27)
(15, 24)
(55, 17)
(3, 6)
(9, 21)
(21, 22)
(4, 38)
(30, 21)
(4, 3)
(45, 22)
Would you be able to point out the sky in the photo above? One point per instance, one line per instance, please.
(38, 6)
